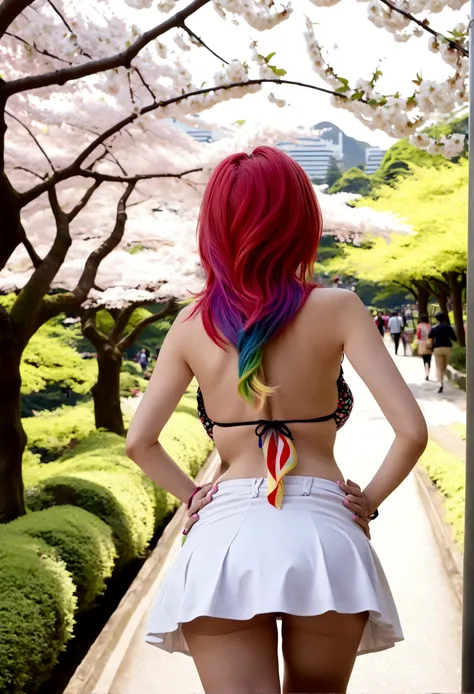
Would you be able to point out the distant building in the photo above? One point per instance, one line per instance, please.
(373, 159)
(314, 154)
(199, 134)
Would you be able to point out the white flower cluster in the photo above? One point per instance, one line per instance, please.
(261, 15)
(166, 5)
(398, 116)
(448, 146)
(139, 4)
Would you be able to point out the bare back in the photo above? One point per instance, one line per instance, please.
(303, 363)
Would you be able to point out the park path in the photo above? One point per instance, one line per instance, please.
(429, 659)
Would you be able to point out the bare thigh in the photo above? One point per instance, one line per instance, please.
(233, 656)
(319, 652)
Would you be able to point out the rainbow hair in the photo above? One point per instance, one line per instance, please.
(258, 232)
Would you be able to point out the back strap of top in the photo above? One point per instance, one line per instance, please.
(276, 422)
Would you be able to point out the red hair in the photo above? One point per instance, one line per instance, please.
(258, 232)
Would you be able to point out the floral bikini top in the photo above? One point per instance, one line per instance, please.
(276, 439)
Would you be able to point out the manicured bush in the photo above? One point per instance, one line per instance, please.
(447, 471)
(50, 433)
(131, 382)
(81, 540)
(113, 497)
(37, 605)
(131, 367)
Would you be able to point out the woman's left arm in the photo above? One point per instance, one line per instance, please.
(170, 379)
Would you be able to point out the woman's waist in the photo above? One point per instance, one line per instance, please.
(307, 465)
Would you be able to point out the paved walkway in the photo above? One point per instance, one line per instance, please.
(429, 659)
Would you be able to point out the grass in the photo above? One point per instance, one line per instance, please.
(447, 471)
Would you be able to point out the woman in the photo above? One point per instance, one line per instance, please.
(425, 349)
(442, 336)
(279, 540)
(380, 323)
(395, 326)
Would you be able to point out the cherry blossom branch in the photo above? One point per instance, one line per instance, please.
(123, 59)
(68, 27)
(91, 266)
(145, 84)
(38, 50)
(191, 33)
(9, 11)
(34, 257)
(423, 25)
(33, 173)
(33, 136)
(74, 168)
(40, 281)
(171, 308)
(83, 201)
(100, 177)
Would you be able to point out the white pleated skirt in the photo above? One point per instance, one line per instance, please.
(244, 557)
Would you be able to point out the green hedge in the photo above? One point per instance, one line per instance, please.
(37, 605)
(458, 358)
(50, 433)
(113, 497)
(130, 382)
(81, 540)
(447, 471)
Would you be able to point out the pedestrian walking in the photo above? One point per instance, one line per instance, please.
(442, 336)
(143, 359)
(395, 326)
(380, 323)
(266, 347)
(425, 347)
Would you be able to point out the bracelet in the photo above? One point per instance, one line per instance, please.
(191, 497)
(374, 515)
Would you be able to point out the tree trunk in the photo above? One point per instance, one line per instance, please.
(12, 435)
(422, 301)
(106, 392)
(456, 298)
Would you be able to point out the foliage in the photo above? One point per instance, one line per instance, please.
(436, 207)
(447, 471)
(50, 433)
(96, 475)
(353, 181)
(112, 497)
(37, 605)
(334, 172)
(130, 383)
(81, 540)
(458, 358)
(50, 358)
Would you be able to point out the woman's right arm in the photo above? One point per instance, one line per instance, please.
(371, 360)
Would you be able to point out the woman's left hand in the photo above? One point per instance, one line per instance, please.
(356, 502)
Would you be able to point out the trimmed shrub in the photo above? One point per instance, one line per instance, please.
(131, 367)
(131, 382)
(50, 433)
(81, 540)
(37, 605)
(113, 497)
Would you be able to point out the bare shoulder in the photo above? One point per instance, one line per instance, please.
(184, 324)
(335, 299)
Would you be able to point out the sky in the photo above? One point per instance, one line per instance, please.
(353, 45)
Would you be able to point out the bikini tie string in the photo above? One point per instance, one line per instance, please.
(266, 425)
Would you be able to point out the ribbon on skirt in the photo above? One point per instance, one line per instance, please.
(275, 438)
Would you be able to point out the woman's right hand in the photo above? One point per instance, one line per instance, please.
(199, 500)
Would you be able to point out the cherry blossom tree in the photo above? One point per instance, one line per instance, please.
(86, 95)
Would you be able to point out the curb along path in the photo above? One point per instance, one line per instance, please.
(429, 659)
